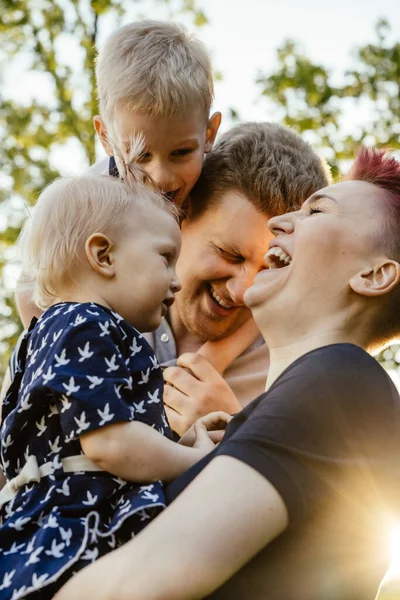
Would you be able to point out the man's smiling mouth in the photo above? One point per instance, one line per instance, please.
(220, 301)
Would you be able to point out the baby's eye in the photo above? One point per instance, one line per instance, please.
(144, 156)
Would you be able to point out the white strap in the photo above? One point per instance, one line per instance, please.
(73, 464)
(32, 472)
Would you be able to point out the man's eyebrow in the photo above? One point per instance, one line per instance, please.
(318, 196)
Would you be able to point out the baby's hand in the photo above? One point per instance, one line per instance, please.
(207, 431)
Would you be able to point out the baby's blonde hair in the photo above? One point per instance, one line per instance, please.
(67, 213)
(156, 68)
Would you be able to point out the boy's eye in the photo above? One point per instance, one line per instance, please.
(182, 152)
(144, 156)
(314, 211)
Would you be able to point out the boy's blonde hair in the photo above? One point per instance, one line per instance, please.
(156, 68)
(67, 213)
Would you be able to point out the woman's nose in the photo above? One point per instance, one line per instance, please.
(282, 223)
(237, 286)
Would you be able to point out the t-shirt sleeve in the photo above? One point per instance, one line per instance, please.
(329, 425)
(89, 378)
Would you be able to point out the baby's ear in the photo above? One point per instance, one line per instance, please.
(101, 130)
(378, 280)
(99, 253)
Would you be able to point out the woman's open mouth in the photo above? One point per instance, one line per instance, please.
(276, 258)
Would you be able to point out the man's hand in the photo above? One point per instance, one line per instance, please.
(194, 389)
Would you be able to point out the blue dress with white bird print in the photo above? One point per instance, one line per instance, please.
(80, 367)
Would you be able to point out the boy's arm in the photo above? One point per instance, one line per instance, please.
(227, 514)
(221, 353)
(136, 452)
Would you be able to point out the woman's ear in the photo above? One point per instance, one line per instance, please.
(377, 281)
(101, 130)
(99, 252)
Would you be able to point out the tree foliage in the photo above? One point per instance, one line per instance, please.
(308, 101)
(50, 32)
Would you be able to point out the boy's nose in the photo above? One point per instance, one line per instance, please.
(162, 176)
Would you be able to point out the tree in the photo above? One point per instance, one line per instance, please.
(50, 31)
(308, 101)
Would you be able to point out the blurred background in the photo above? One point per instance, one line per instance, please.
(331, 71)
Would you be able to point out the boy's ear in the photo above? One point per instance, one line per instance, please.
(98, 250)
(212, 129)
(101, 130)
(380, 279)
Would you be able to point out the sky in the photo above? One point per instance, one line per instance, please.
(243, 38)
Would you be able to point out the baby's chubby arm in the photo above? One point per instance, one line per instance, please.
(136, 452)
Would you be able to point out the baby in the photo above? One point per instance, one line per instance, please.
(84, 438)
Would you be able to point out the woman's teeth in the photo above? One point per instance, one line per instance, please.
(218, 299)
(276, 258)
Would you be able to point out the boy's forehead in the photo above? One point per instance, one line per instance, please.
(129, 122)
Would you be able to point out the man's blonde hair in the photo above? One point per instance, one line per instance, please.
(156, 68)
(67, 213)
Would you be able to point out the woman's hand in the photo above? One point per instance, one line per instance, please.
(207, 431)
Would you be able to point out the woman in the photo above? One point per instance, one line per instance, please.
(297, 501)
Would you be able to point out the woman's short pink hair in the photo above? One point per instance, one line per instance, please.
(379, 167)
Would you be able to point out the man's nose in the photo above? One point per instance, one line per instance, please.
(238, 284)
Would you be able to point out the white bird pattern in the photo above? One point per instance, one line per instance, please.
(105, 415)
(94, 381)
(85, 352)
(62, 359)
(106, 355)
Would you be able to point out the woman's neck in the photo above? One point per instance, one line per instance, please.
(283, 355)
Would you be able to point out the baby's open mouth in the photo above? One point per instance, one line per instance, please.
(276, 258)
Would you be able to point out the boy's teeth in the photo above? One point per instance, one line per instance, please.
(218, 299)
(279, 254)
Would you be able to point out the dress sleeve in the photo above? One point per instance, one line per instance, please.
(89, 378)
(328, 426)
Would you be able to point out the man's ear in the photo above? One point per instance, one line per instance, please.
(99, 249)
(378, 280)
(101, 130)
(212, 129)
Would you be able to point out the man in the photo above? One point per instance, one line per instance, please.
(256, 171)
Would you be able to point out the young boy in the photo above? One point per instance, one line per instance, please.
(153, 79)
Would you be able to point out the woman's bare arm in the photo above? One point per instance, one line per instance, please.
(224, 517)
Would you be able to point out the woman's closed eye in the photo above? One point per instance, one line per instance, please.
(314, 211)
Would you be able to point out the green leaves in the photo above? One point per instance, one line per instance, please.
(31, 129)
